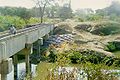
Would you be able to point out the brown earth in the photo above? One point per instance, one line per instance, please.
(85, 39)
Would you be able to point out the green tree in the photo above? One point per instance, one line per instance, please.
(65, 12)
(14, 11)
(23, 13)
(112, 12)
(42, 4)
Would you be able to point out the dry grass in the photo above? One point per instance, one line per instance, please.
(43, 70)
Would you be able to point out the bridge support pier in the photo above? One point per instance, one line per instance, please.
(46, 37)
(51, 32)
(15, 62)
(28, 50)
(38, 47)
(39, 43)
(5, 68)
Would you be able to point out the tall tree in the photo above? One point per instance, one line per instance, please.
(23, 13)
(113, 9)
(42, 4)
(65, 12)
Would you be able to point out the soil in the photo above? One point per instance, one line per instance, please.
(84, 39)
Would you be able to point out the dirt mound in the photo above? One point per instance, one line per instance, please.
(89, 27)
(85, 27)
(101, 28)
(107, 29)
(63, 28)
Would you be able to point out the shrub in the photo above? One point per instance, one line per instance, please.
(6, 21)
(111, 46)
(80, 19)
(33, 20)
(76, 57)
(116, 63)
(93, 59)
(52, 57)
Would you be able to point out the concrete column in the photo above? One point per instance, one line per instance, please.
(51, 32)
(46, 37)
(28, 51)
(27, 60)
(15, 62)
(39, 43)
(5, 68)
(38, 47)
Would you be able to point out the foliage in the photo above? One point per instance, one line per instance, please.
(6, 21)
(75, 57)
(114, 8)
(90, 69)
(81, 57)
(87, 56)
(112, 12)
(52, 12)
(65, 12)
(33, 20)
(19, 23)
(93, 17)
(52, 57)
(111, 46)
(63, 59)
(43, 70)
(107, 28)
(97, 72)
(116, 63)
(42, 4)
(80, 19)
(14, 11)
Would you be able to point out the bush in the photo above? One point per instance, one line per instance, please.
(93, 17)
(107, 28)
(33, 20)
(80, 19)
(109, 61)
(76, 57)
(6, 21)
(19, 23)
(111, 46)
(93, 59)
(116, 63)
(52, 57)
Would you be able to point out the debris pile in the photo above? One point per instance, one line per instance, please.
(58, 39)
(63, 28)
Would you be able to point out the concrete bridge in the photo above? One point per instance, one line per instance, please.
(22, 41)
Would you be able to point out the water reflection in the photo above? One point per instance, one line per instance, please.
(21, 71)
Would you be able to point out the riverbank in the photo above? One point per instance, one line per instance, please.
(43, 70)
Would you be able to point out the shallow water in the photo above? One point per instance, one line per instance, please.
(21, 71)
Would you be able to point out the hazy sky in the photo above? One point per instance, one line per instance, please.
(94, 4)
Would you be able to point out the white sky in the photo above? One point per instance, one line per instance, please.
(94, 4)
